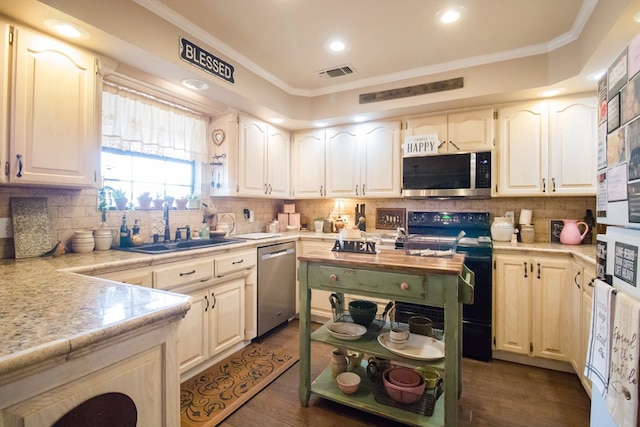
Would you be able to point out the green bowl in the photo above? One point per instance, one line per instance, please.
(363, 312)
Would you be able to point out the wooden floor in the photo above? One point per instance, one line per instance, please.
(495, 393)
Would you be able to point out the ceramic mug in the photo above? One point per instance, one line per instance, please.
(398, 337)
(421, 325)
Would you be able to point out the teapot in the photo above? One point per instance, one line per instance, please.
(570, 234)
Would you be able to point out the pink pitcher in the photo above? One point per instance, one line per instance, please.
(570, 234)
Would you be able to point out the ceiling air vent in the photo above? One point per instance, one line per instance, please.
(331, 73)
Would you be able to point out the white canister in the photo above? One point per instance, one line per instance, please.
(502, 229)
(82, 241)
(103, 237)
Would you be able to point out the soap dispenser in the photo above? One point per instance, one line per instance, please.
(204, 231)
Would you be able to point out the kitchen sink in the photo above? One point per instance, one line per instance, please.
(158, 248)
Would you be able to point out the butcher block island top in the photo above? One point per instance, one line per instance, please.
(391, 260)
(392, 275)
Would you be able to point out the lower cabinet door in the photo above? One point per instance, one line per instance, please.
(226, 320)
(193, 331)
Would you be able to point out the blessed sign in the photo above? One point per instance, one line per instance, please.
(202, 59)
(419, 145)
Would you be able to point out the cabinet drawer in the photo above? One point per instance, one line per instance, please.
(183, 273)
(235, 262)
(383, 284)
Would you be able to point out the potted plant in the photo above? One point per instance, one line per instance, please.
(158, 202)
(169, 200)
(194, 201)
(144, 200)
(181, 203)
(103, 235)
(120, 197)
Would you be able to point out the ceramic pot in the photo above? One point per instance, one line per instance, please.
(103, 238)
(318, 226)
(501, 229)
(181, 204)
(339, 361)
(570, 234)
(82, 241)
(121, 203)
(144, 202)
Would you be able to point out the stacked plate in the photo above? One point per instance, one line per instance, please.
(346, 331)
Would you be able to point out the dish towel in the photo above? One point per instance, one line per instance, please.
(622, 394)
(596, 367)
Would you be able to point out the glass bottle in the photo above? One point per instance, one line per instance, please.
(125, 233)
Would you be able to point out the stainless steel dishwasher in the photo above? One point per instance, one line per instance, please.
(276, 285)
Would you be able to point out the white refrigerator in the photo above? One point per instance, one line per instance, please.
(618, 260)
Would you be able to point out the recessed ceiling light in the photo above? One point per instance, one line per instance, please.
(450, 15)
(320, 124)
(66, 29)
(359, 119)
(276, 120)
(551, 92)
(194, 84)
(337, 45)
(636, 17)
(597, 75)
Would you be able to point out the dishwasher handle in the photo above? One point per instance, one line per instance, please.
(276, 254)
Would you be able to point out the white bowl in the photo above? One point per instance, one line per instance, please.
(348, 382)
(346, 331)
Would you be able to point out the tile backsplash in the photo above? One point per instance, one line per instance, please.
(71, 210)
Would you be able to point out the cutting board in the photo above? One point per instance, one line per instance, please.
(31, 228)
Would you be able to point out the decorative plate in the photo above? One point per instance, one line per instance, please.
(346, 331)
(419, 347)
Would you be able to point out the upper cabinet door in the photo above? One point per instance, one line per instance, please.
(343, 162)
(4, 98)
(430, 125)
(573, 146)
(278, 163)
(252, 156)
(308, 165)
(470, 131)
(380, 170)
(55, 131)
(523, 149)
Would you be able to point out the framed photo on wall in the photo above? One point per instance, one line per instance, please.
(613, 113)
(630, 100)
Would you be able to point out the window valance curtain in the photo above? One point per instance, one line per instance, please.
(136, 122)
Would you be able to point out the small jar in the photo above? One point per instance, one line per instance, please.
(527, 233)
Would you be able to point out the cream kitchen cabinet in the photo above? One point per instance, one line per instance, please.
(547, 148)
(529, 306)
(220, 287)
(588, 277)
(264, 156)
(4, 100)
(320, 306)
(308, 166)
(463, 131)
(363, 160)
(54, 122)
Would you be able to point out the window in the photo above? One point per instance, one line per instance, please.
(135, 173)
(149, 144)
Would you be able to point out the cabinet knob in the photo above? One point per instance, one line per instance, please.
(333, 277)
(404, 286)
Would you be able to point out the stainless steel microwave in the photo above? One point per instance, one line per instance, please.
(447, 175)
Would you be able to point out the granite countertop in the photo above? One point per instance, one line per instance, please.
(586, 253)
(51, 307)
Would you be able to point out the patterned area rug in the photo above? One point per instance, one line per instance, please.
(209, 397)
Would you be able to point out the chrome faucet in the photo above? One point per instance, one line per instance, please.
(167, 229)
